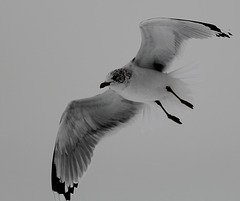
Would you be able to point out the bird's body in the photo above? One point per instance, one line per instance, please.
(143, 80)
(153, 85)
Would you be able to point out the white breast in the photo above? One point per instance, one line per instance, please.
(146, 85)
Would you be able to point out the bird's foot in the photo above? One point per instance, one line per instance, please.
(186, 103)
(169, 89)
(175, 119)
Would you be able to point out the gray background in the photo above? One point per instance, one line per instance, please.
(52, 52)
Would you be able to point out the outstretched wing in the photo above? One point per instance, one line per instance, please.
(82, 125)
(162, 38)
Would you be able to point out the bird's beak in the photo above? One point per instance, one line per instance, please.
(104, 84)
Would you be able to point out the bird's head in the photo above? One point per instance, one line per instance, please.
(117, 79)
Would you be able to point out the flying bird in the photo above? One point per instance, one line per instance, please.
(143, 80)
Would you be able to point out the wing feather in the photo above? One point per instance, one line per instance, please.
(163, 37)
(82, 125)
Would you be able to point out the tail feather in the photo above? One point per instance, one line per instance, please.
(184, 82)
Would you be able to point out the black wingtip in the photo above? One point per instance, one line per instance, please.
(59, 186)
(222, 34)
(219, 32)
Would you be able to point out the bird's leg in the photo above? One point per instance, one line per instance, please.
(177, 120)
(169, 89)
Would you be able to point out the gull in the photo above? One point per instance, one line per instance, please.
(143, 80)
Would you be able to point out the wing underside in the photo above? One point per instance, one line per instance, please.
(163, 37)
(82, 125)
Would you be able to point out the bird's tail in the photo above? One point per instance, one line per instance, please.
(185, 83)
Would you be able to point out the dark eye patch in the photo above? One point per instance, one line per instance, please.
(120, 75)
(115, 77)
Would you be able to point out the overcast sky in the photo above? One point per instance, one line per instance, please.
(52, 52)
